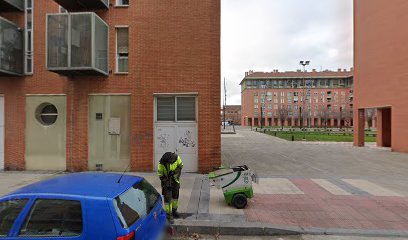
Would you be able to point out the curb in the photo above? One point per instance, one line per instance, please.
(230, 228)
(260, 229)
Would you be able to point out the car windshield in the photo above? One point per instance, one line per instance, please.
(135, 203)
(9, 211)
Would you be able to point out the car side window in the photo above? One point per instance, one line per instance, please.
(152, 195)
(130, 206)
(138, 201)
(9, 211)
(53, 218)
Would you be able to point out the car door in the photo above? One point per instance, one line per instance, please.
(51, 218)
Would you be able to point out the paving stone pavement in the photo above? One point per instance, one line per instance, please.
(302, 203)
(315, 189)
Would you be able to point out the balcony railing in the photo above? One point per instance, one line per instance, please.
(11, 5)
(11, 48)
(75, 5)
(77, 44)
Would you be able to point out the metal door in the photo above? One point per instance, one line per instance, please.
(180, 138)
(45, 132)
(108, 135)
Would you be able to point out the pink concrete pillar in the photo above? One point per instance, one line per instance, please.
(384, 127)
(359, 126)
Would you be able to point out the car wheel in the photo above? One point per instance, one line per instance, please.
(239, 201)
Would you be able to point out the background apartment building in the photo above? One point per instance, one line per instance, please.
(232, 114)
(380, 58)
(315, 99)
(99, 84)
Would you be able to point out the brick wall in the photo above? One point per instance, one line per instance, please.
(174, 47)
(380, 59)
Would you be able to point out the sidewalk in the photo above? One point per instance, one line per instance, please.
(301, 206)
(289, 205)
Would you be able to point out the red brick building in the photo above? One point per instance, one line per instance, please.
(232, 114)
(277, 98)
(380, 59)
(118, 85)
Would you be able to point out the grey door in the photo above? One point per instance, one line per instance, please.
(108, 135)
(45, 133)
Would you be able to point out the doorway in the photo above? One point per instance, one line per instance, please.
(108, 135)
(45, 132)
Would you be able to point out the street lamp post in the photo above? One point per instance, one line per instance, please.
(304, 64)
(263, 103)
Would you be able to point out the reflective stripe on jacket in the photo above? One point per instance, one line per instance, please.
(171, 167)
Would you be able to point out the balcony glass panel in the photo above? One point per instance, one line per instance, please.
(101, 45)
(11, 48)
(77, 44)
(11, 5)
(57, 31)
(81, 40)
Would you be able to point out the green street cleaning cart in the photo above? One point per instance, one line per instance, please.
(236, 184)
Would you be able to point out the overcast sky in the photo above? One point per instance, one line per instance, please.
(263, 35)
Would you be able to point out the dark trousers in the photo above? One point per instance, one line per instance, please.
(170, 194)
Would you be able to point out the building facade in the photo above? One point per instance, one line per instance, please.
(380, 59)
(232, 114)
(103, 85)
(297, 99)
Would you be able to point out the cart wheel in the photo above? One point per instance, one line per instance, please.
(239, 201)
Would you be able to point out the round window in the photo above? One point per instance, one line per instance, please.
(46, 114)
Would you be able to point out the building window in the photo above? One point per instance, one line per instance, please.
(122, 3)
(28, 57)
(46, 114)
(176, 108)
(122, 49)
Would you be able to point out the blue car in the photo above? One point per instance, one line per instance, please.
(84, 206)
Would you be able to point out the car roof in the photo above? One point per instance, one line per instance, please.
(81, 184)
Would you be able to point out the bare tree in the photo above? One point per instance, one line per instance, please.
(370, 116)
(324, 114)
(283, 113)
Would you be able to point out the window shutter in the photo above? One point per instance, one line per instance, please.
(166, 109)
(186, 109)
(123, 40)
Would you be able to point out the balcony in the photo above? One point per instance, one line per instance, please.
(11, 5)
(77, 44)
(76, 5)
(11, 48)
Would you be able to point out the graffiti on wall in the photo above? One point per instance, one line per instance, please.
(187, 140)
(163, 140)
(141, 137)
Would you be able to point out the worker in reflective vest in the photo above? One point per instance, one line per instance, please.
(169, 171)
